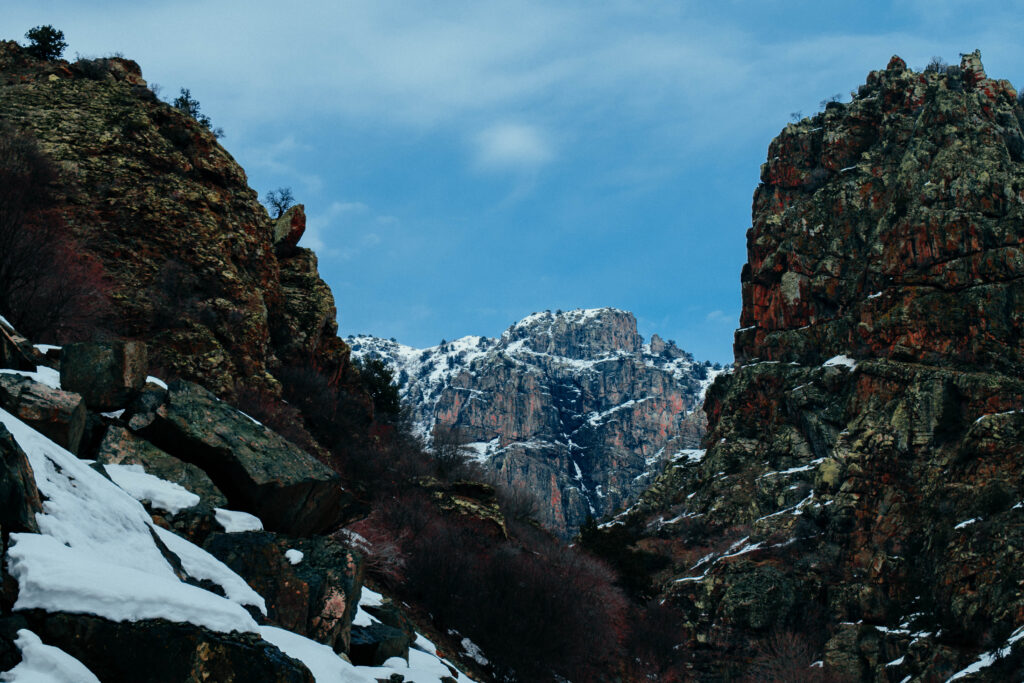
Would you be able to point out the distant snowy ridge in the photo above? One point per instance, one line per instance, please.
(558, 395)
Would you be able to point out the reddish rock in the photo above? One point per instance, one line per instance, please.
(316, 596)
(288, 229)
(885, 498)
(59, 415)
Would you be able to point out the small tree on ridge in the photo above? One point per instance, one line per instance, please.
(45, 42)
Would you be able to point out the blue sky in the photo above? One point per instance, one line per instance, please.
(464, 164)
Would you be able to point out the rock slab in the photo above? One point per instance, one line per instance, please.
(256, 469)
(106, 374)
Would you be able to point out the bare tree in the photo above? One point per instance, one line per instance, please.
(49, 288)
(280, 200)
(451, 453)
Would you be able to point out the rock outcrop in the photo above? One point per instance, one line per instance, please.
(573, 407)
(256, 469)
(863, 485)
(198, 268)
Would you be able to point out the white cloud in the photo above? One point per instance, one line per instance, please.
(345, 230)
(512, 146)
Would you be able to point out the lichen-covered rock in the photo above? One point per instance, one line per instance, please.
(105, 374)
(188, 248)
(863, 484)
(315, 595)
(163, 651)
(60, 415)
(256, 469)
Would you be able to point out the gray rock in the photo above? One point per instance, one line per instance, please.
(258, 470)
(106, 374)
(59, 415)
(315, 597)
(19, 498)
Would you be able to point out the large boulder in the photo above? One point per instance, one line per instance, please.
(59, 415)
(19, 498)
(157, 650)
(258, 470)
(106, 374)
(311, 585)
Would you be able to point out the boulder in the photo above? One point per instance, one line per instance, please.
(288, 228)
(165, 651)
(258, 470)
(375, 644)
(106, 374)
(60, 415)
(316, 596)
(19, 498)
(122, 447)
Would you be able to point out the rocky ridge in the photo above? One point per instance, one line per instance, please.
(573, 407)
(199, 270)
(862, 490)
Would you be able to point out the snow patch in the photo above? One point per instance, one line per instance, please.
(236, 521)
(294, 556)
(45, 664)
(42, 374)
(844, 361)
(162, 494)
(157, 381)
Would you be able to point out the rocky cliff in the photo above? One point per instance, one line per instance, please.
(861, 499)
(197, 267)
(573, 407)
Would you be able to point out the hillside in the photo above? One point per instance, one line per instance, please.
(861, 498)
(572, 406)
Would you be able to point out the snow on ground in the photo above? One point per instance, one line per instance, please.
(987, 659)
(293, 556)
(162, 494)
(95, 553)
(157, 381)
(203, 566)
(42, 374)
(236, 521)
(45, 664)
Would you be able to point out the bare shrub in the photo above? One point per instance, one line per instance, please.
(50, 289)
(786, 657)
(450, 453)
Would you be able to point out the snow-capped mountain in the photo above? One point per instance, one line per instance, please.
(574, 406)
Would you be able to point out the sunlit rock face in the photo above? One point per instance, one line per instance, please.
(573, 407)
(863, 485)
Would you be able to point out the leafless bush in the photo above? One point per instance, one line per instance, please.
(786, 657)
(50, 289)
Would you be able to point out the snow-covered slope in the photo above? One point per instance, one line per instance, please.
(97, 553)
(573, 405)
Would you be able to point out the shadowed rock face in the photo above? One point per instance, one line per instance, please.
(572, 407)
(872, 508)
(197, 268)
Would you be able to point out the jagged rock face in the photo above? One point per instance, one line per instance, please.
(198, 269)
(871, 503)
(572, 407)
